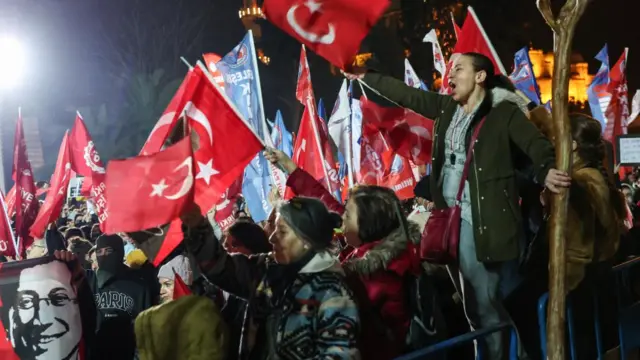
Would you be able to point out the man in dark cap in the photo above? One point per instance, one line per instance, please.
(121, 294)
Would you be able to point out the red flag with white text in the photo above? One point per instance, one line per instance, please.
(224, 215)
(617, 112)
(57, 194)
(27, 204)
(86, 162)
(147, 191)
(333, 29)
(211, 59)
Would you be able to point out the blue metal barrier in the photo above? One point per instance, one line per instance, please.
(425, 353)
(628, 309)
(542, 325)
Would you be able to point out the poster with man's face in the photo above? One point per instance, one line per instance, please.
(39, 311)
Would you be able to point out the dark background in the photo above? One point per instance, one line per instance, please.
(118, 60)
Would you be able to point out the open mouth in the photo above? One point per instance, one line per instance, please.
(452, 85)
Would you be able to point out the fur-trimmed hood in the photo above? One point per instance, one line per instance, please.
(385, 251)
(499, 95)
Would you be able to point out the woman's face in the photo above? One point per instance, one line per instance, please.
(287, 246)
(350, 224)
(463, 79)
(166, 289)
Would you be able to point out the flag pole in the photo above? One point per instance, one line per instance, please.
(8, 222)
(186, 62)
(484, 34)
(349, 152)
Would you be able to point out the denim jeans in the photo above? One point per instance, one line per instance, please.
(479, 286)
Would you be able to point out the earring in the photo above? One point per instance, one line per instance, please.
(305, 246)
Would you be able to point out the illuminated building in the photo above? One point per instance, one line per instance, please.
(249, 14)
(543, 68)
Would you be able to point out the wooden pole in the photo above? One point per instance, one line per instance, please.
(563, 26)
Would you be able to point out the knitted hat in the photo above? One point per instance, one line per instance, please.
(181, 265)
(310, 219)
(135, 259)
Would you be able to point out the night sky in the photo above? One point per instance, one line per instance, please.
(73, 47)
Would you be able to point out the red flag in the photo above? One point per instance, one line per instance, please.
(167, 121)
(26, 202)
(333, 29)
(180, 289)
(211, 59)
(472, 38)
(7, 241)
(56, 195)
(86, 161)
(617, 112)
(226, 144)
(148, 191)
(312, 150)
(224, 208)
(10, 200)
(400, 178)
(409, 134)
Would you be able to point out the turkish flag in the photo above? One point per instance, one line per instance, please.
(56, 195)
(168, 120)
(312, 150)
(409, 134)
(26, 202)
(211, 59)
(7, 240)
(224, 208)
(472, 38)
(225, 143)
(86, 161)
(333, 29)
(180, 289)
(148, 191)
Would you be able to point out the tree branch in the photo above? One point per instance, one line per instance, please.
(547, 13)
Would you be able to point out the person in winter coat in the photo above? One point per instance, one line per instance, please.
(189, 328)
(120, 294)
(381, 255)
(299, 306)
(491, 229)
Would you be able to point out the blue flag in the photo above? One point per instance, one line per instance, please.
(242, 85)
(281, 138)
(597, 92)
(523, 77)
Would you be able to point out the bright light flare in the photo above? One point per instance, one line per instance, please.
(12, 62)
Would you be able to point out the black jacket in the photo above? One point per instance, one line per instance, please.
(119, 298)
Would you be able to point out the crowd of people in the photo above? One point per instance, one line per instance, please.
(322, 279)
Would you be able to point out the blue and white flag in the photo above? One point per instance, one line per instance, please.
(411, 78)
(597, 93)
(281, 138)
(523, 77)
(242, 85)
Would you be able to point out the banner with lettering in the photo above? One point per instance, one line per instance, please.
(242, 85)
(40, 311)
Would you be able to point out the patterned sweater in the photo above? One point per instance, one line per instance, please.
(317, 319)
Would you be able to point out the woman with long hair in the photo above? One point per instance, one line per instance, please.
(490, 230)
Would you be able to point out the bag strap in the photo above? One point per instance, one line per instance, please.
(467, 161)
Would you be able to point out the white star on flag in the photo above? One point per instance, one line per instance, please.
(158, 189)
(206, 171)
(312, 6)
